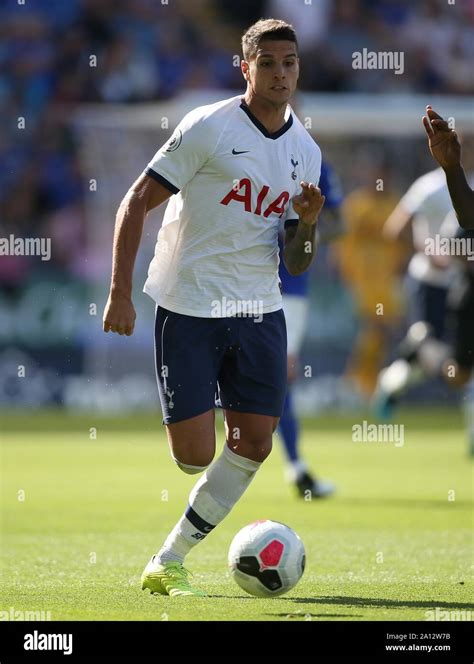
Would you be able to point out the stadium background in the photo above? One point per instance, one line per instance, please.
(94, 80)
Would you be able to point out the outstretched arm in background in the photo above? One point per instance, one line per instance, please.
(446, 149)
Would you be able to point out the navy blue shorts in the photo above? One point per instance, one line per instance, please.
(462, 324)
(238, 363)
(427, 303)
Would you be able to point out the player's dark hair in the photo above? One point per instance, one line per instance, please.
(271, 29)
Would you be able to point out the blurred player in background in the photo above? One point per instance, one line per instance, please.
(234, 171)
(295, 305)
(424, 207)
(370, 266)
(446, 149)
(451, 360)
(419, 214)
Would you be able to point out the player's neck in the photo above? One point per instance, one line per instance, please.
(271, 116)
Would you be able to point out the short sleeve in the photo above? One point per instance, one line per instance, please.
(313, 171)
(414, 198)
(181, 157)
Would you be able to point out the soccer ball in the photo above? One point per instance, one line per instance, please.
(266, 558)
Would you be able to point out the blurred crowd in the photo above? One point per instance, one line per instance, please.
(56, 54)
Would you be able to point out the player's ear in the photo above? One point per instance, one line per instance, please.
(244, 67)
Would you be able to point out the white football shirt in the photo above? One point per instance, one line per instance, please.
(233, 183)
(428, 201)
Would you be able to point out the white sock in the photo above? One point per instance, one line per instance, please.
(295, 469)
(210, 500)
(432, 356)
(399, 375)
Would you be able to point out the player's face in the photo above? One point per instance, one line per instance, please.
(273, 73)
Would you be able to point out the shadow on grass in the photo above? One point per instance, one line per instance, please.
(368, 602)
(315, 615)
(235, 597)
(403, 503)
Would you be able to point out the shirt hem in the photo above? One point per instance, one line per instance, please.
(187, 311)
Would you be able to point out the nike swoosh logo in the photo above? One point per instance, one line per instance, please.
(234, 151)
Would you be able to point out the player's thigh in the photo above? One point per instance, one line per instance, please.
(187, 364)
(253, 379)
(427, 303)
(193, 441)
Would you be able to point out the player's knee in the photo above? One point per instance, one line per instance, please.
(198, 466)
(261, 448)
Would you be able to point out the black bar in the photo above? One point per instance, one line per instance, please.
(309, 640)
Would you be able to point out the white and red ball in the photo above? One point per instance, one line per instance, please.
(266, 558)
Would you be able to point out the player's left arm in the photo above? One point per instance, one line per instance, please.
(445, 147)
(300, 240)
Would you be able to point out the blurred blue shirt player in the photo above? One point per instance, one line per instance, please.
(295, 305)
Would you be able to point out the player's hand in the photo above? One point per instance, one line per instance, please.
(309, 203)
(119, 315)
(443, 141)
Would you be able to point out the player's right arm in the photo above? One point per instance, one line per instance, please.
(398, 225)
(171, 168)
(446, 149)
(144, 195)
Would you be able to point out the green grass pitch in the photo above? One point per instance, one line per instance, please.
(81, 517)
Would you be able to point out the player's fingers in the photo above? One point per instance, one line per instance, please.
(114, 327)
(427, 126)
(302, 203)
(304, 197)
(315, 192)
(432, 114)
(110, 326)
(129, 330)
(442, 125)
(311, 189)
